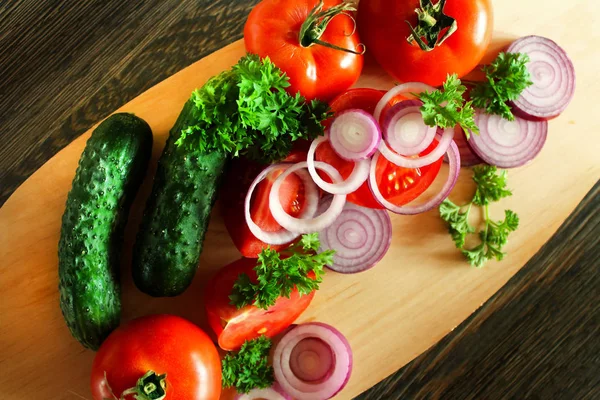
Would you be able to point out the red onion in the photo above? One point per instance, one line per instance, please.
(312, 362)
(410, 162)
(507, 144)
(553, 76)
(468, 158)
(282, 236)
(275, 392)
(404, 89)
(360, 237)
(453, 170)
(359, 174)
(404, 129)
(354, 135)
(306, 225)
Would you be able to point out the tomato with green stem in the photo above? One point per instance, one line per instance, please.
(417, 40)
(157, 357)
(313, 41)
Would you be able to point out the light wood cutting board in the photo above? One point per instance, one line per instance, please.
(419, 292)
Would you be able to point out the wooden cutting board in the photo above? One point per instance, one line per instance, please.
(419, 292)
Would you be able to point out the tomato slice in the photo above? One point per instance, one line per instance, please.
(234, 189)
(398, 185)
(234, 326)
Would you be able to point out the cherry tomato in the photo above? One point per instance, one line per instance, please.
(233, 194)
(291, 33)
(165, 344)
(234, 326)
(383, 27)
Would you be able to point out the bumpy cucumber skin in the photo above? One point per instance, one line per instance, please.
(169, 242)
(110, 172)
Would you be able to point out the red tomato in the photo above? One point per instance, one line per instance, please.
(233, 193)
(361, 98)
(165, 344)
(383, 28)
(397, 184)
(315, 69)
(234, 326)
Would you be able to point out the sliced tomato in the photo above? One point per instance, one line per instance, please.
(397, 184)
(361, 98)
(234, 326)
(235, 187)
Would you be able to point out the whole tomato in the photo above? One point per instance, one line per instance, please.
(313, 41)
(234, 326)
(448, 37)
(150, 347)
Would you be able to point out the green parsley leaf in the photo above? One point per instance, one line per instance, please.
(247, 111)
(447, 108)
(506, 77)
(491, 187)
(277, 276)
(249, 367)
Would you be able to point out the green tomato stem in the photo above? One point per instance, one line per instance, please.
(431, 25)
(148, 387)
(315, 24)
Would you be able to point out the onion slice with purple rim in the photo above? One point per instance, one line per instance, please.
(360, 237)
(408, 162)
(508, 144)
(404, 129)
(275, 392)
(312, 362)
(282, 236)
(359, 174)
(354, 135)
(468, 158)
(553, 77)
(405, 89)
(306, 225)
(453, 171)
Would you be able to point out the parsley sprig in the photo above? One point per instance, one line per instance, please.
(506, 77)
(447, 107)
(491, 187)
(249, 367)
(301, 267)
(247, 111)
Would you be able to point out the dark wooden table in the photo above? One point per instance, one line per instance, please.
(64, 65)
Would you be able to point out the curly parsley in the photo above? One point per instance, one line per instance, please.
(447, 108)
(506, 77)
(302, 268)
(247, 111)
(249, 367)
(491, 187)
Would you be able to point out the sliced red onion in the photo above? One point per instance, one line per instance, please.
(360, 237)
(306, 225)
(453, 171)
(553, 76)
(508, 144)
(282, 236)
(405, 89)
(312, 362)
(468, 158)
(354, 135)
(404, 129)
(410, 162)
(275, 392)
(359, 174)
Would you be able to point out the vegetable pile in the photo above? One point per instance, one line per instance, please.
(304, 185)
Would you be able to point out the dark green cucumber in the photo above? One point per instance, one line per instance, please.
(169, 243)
(111, 169)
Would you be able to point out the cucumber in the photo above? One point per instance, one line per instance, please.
(111, 169)
(168, 246)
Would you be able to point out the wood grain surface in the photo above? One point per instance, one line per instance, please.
(538, 338)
